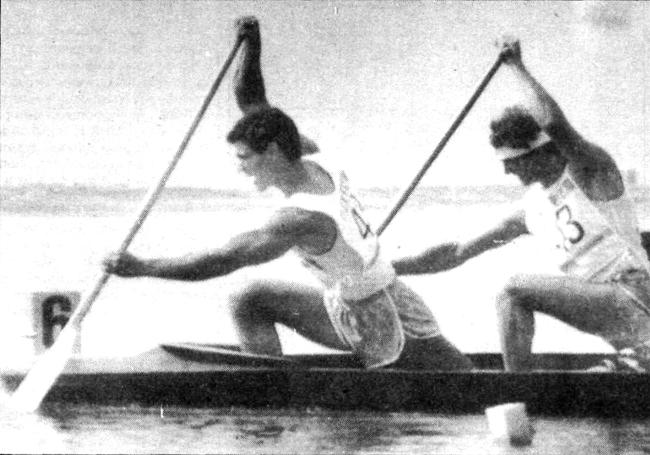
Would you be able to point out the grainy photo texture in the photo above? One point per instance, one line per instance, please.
(324, 227)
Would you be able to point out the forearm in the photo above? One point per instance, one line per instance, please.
(545, 109)
(549, 115)
(436, 259)
(248, 80)
(193, 267)
(448, 255)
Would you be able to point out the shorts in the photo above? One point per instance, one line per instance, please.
(375, 327)
(632, 329)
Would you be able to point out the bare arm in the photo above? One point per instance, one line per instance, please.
(286, 229)
(594, 168)
(449, 255)
(248, 81)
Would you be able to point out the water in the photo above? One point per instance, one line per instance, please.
(55, 240)
(86, 429)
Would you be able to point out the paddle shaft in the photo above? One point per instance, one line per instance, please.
(155, 191)
(441, 145)
(47, 368)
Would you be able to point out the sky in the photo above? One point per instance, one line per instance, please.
(102, 92)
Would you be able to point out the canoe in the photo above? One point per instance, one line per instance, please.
(204, 375)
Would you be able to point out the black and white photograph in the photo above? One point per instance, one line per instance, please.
(324, 227)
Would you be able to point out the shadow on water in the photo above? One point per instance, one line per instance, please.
(359, 431)
(319, 431)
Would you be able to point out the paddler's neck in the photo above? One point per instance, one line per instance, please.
(553, 175)
(294, 178)
(302, 178)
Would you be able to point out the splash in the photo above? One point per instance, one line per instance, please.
(27, 432)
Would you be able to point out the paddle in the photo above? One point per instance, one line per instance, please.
(441, 145)
(50, 364)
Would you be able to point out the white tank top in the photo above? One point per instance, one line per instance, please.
(595, 240)
(354, 266)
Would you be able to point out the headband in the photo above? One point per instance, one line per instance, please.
(505, 153)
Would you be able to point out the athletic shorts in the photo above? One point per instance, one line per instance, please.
(632, 328)
(375, 327)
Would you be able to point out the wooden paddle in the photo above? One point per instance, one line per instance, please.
(405, 195)
(50, 364)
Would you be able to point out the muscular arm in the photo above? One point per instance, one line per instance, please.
(592, 166)
(248, 80)
(449, 255)
(286, 229)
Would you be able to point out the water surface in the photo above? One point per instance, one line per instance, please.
(86, 429)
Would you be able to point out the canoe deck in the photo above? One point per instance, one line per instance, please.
(219, 376)
(231, 354)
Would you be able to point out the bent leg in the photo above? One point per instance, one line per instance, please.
(435, 353)
(590, 307)
(248, 81)
(260, 305)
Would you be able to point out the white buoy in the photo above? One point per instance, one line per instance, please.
(509, 421)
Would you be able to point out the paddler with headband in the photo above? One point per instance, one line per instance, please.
(577, 203)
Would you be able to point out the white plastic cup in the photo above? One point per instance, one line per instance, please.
(510, 422)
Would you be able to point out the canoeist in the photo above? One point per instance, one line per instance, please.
(576, 201)
(363, 307)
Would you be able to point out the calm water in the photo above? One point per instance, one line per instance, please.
(56, 240)
(171, 430)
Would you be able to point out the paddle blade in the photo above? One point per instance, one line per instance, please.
(43, 374)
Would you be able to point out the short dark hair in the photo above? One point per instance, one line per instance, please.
(259, 128)
(516, 128)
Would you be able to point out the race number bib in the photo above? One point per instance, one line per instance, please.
(356, 229)
(572, 231)
(589, 243)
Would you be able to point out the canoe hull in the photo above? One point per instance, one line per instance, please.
(554, 393)
(197, 383)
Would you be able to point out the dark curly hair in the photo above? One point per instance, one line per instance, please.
(259, 128)
(516, 128)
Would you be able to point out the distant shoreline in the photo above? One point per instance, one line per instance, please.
(60, 199)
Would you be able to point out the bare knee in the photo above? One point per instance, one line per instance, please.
(250, 303)
(512, 294)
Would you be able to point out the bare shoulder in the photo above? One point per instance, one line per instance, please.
(595, 171)
(323, 178)
(311, 230)
(587, 159)
(299, 220)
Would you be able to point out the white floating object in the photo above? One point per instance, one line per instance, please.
(510, 422)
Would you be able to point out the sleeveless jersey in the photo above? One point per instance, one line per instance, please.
(354, 265)
(595, 240)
